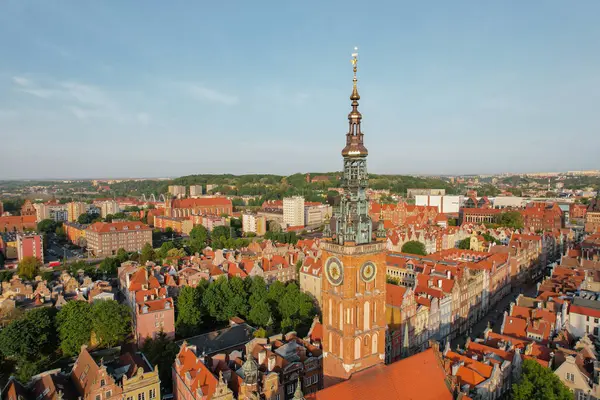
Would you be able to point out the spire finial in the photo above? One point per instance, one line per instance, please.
(354, 60)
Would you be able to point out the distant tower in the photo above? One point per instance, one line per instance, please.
(353, 292)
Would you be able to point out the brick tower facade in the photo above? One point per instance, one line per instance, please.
(353, 289)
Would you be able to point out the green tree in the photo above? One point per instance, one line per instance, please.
(29, 267)
(489, 238)
(260, 313)
(110, 322)
(122, 255)
(109, 266)
(164, 249)
(539, 383)
(511, 219)
(198, 239)
(161, 351)
(74, 321)
(414, 247)
(219, 231)
(147, 254)
(465, 244)
(2, 259)
(47, 226)
(30, 337)
(176, 253)
(60, 232)
(85, 219)
(189, 311)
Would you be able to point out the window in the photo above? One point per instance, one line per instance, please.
(357, 348)
(152, 394)
(102, 382)
(570, 377)
(291, 389)
(277, 397)
(98, 397)
(142, 396)
(366, 316)
(595, 320)
(581, 395)
(108, 394)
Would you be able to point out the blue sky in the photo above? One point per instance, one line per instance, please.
(120, 88)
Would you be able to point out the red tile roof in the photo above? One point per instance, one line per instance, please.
(103, 227)
(420, 377)
(394, 295)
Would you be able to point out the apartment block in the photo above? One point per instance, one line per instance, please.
(293, 211)
(195, 191)
(104, 239)
(254, 223)
(177, 191)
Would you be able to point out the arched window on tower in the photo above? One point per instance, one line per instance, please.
(330, 311)
(374, 343)
(330, 343)
(357, 348)
(366, 316)
(341, 347)
(341, 316)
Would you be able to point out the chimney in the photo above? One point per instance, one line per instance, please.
(261, 356)
(271, 364)
(455, 368)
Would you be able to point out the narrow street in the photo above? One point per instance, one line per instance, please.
(496, 314)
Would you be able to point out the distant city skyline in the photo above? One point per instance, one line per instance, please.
(92, 90)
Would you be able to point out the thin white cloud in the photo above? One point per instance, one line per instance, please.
(201, 92)
(83, 101)
(21, 81)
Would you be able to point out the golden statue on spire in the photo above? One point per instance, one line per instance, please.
(355, 96)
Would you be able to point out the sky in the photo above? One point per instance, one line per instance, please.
(124, 88)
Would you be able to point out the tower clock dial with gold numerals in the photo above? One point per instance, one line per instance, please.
(334, 271)
(367, 271)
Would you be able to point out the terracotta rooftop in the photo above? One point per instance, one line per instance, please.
(420, 377)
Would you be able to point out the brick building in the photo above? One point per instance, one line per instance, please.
(198, 206)
(104, 239)
(17, 223)
(538, 216)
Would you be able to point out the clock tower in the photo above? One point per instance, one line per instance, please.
(354, 282)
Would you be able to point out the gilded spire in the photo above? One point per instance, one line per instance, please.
(355, 96)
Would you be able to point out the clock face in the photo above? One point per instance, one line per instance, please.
(334, 271)
(367, 271)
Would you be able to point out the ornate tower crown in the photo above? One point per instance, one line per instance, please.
(354, 137)
(352, 221)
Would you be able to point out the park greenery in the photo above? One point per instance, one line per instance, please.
(31, 342)
(414, 247)
(539, 383)
(277, 308)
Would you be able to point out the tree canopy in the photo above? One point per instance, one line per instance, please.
(47, 226)
(511, 219)
(29, 267)
(278, 307)
(414, 247)
(74, 322)
(30, 340)
(189, 310)
(465, 244)
(161, 351)
(110, 322)
(539, 383)
(147, 254)
(198, 239)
